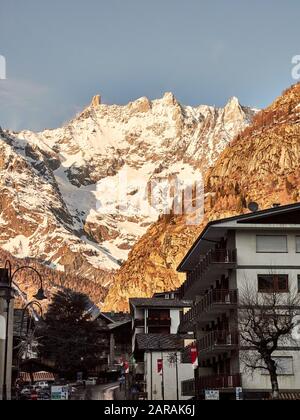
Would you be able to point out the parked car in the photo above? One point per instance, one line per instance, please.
(42, 385)
(26, 391)
(44, 395)
(91, 381)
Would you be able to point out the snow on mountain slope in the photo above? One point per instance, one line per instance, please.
(61, 196)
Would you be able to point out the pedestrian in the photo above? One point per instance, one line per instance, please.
(122, 382)
(34, 395)
(134, 391)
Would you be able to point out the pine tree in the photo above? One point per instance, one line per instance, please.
(69, 338)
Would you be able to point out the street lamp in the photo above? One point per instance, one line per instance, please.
(27, 340)
(6, 284)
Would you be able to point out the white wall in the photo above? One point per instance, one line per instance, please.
(271, 263)
(247, 255)
(139, 313)
(257, 380)
(249, 277)
(185, 372)
(175, 320)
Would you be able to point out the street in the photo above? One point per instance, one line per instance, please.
(97, 392)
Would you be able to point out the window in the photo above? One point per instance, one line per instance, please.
(284, 366)
(271, 243)
(270, 283)
(297, 243)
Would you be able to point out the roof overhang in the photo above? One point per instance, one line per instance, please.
(287, 217)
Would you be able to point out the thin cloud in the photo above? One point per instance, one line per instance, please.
(20, 92)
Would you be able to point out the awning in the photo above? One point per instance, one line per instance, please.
(37, 376)
(289, 396)
(25, 376)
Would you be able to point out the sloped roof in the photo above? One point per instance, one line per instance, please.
(118, 324)
(116, 316)
(255, 217)
(160, 303)
(159, 342)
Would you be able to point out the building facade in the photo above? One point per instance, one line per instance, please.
(159, 369)
(259, 250)
(115, 334)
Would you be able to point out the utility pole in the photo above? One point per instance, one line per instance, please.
(162, 372)
(151, 369)
(162, 378)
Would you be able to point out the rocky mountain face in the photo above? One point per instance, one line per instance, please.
(27, 282)
(261, 164)
(72, 198)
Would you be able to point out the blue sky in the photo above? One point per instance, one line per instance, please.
(60, 53)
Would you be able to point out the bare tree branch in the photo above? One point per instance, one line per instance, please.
(266, 322)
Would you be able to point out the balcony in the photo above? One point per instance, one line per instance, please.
(214, 302)
(158, 322)
(214, 263)
(139, 323)
(218, 342)
(218, 382)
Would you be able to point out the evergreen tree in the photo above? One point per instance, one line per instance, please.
(69, 338)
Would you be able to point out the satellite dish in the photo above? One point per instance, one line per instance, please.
(253, 207)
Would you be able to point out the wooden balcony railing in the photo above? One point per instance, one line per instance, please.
(213, 297)
(218, 382)
(219, 256)
(158, 322)
(216, 339)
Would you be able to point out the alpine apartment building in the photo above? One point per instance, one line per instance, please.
(157, 347)
(261, 249)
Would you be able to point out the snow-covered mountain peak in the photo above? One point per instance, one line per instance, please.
(58, 202)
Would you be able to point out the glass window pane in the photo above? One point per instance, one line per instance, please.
(285, 366)
(271, 243)
(297, 243)
(265, 283)
(283, 282)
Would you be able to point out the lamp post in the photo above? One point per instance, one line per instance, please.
(27, 340)
(6, 284)
(162, 372)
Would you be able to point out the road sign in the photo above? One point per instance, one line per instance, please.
(212, 395)
(59, 393)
